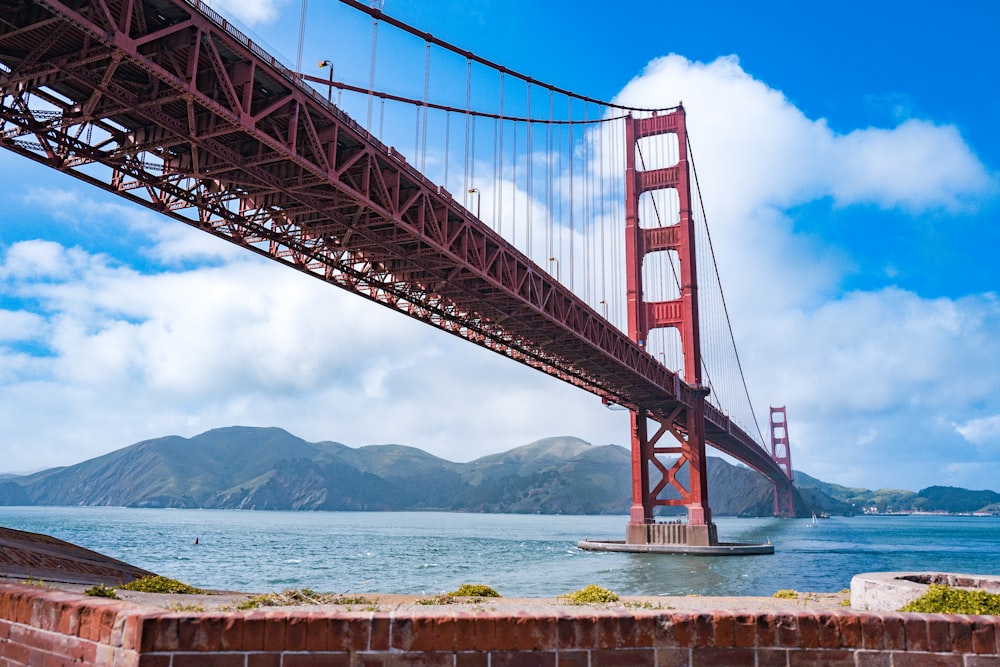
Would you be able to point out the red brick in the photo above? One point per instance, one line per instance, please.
(325, 633)
(645, 631)
(731, 657)
(725, 630)
(915, 627)
(850, 631)
(436, 633)
(545, 634)
(17, 654)
(108, 618)
(504, 633)
(620, 657)
(771, 657)
(523, 659)
(746, 630)
(231, 633)
(199, 633)
(787, 631)
(485, 632)
(586, 632)
(525, 631)
(73, 648)
(607, 631)
(893, 632)
(373, 634)
(477, 659)
(766, 630)
(465, 632)
(704, 631)
(435, 659)
(566, 632)
(377, 659)
(873, 659)
(673, 657)
(296, 633)
(274, 631)
(821, 658)
(828, 630)
(208, 660)
(263, 660)
(982, 661)
(316, 660)
(253, 632)
(872, 634)
(983, 636)
(159, 633)
(672, 630)
(923, 659)
(938, 633)
(573, 659)
(961, 633)
(808, 630)
(403, 633)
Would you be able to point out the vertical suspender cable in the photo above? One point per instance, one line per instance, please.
(427, 84)
(302, 35)
(513, 179)
(529, 198)
(467, 185)
(585, 214)
(371, 78)
(604, 217)
(498, 194)
(572, 219)
(549, 250)
(447, 145)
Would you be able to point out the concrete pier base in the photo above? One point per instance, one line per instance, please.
(675, 538)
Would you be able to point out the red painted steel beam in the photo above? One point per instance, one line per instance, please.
(166, 104)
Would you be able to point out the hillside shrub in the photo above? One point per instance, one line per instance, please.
(941, 599)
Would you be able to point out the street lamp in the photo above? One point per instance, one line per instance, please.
(479, 199)
(556, 260)
(329, 90)
(605, 304)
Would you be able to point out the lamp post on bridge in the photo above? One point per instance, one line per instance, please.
(479, 200)
(329, 90)
(556, 260)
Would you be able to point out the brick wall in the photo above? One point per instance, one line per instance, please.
(44, 627)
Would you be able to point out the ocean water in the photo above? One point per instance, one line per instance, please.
(427, 553)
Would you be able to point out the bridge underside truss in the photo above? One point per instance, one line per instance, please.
(164, 103)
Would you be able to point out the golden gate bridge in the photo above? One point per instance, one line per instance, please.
(565, 232)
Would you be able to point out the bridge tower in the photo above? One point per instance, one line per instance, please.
(784, 494)
(687, 428)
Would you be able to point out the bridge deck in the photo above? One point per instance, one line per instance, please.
(168, 105)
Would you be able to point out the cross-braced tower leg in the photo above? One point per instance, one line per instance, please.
(784, 493)
(682, 478)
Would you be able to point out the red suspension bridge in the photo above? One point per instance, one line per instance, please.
(577, 245)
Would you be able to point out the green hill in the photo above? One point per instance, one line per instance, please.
(269, 468)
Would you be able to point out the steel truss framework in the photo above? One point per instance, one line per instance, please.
(167, 105)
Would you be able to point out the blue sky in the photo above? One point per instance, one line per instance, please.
(850, 163)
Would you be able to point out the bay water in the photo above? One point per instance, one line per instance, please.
(426, 553)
